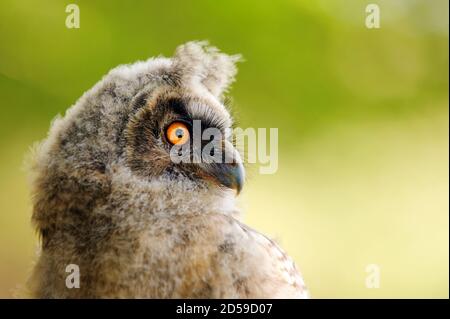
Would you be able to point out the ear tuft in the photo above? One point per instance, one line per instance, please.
(198, 62)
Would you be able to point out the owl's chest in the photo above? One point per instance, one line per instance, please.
(164, 259)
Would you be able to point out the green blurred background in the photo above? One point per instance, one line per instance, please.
(362, 117)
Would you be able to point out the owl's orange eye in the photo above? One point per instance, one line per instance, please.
(177, 133)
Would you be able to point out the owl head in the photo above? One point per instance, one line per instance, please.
(116, 145)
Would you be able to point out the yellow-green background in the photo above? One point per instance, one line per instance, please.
(362, 117)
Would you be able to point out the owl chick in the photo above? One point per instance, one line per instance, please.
(108, 197)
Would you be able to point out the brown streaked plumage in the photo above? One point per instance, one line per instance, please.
(108, 198)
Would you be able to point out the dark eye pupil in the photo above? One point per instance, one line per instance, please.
(179, 133)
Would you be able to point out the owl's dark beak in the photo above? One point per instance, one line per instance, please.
(231, 173)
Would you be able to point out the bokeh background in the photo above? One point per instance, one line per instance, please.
(362, 117)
